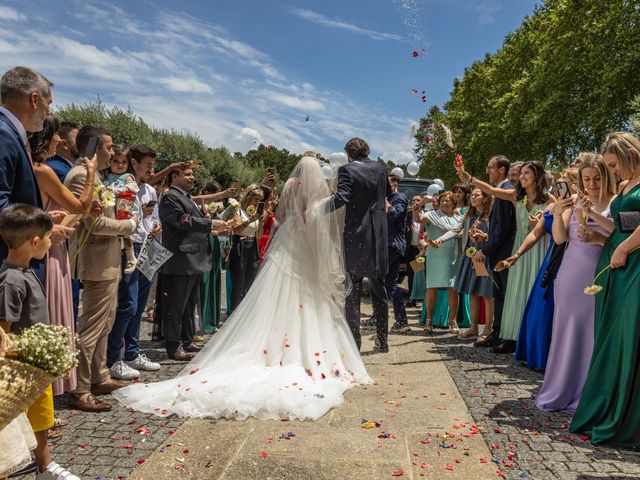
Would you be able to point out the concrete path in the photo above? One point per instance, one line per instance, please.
(429, 431)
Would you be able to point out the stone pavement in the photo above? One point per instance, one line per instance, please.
(421, 389)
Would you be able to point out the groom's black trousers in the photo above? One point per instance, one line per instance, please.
(380, 308)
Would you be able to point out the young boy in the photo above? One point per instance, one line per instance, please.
(27, 232)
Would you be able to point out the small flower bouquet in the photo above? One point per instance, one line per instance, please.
(214, 207)
(595, 288)
(233, 212)
(105, 196)
(251, 210)
(29, 363)
(471, 252)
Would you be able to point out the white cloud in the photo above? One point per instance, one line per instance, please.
(324, 21)
(299, 103)
(186, 85)
(8, 13)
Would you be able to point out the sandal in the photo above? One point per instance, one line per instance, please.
(468, 335)
(52, 433)
(59, 422)
(453, 326)
(428, 328)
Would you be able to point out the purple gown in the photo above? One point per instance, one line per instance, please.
(573, 324)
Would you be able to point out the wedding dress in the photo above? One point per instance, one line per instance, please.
(286, 352)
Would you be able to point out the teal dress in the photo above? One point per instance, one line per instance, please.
(522, 275)
(609, 409)
(210, 290)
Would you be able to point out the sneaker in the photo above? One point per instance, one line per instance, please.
(142, 362)
(122, 371)
(400, 327)
(54, 472)
(130, 266)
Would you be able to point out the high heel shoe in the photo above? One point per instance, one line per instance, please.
(453, 326)
(428, 328)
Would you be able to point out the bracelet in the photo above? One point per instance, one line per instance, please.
(517, 254)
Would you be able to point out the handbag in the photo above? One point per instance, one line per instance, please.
(629, 221)
(557, 253)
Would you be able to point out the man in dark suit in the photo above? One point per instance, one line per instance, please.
(185, 232)
(502, 232)
(25, 96)
(363, 189)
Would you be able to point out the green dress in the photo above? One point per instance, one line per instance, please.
(522, 275)
(609, 409)
(210, 290)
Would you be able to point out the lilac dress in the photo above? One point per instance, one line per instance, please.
(573, 324)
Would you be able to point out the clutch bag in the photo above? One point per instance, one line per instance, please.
(629, 221)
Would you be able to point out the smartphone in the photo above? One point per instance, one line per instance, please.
(260, 208)
(271, 170)
(151, 203)
(562, 189)
(91, 147)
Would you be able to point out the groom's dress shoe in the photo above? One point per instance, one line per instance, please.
(192, 348)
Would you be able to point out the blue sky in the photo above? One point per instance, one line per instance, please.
(243, 72)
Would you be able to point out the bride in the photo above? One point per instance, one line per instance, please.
(286, 352)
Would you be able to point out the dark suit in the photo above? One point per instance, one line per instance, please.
(60, 166)
(17, 180)
(185, 232)
(396, 224)
(502, 232)
(362, 189)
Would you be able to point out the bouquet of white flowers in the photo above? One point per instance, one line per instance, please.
(29, 363)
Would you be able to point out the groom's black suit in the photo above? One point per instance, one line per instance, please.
(363, 187)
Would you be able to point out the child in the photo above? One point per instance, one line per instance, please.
(122, 181)
(27, 232)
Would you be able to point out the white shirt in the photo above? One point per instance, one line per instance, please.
(146, 194)
(415, 232)
(17, 124)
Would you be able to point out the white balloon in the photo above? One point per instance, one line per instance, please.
(413, 168)
(438, 182)
(397, 172)
(433, 189)
(327, 171)
(337, 159)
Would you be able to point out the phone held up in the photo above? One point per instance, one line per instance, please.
(271, 170)
(260, 208)
(92, 147)
(562, 189)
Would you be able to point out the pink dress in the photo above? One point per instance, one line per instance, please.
(57, 285)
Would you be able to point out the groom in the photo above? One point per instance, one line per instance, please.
(363, 188)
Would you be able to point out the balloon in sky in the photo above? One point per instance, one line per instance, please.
(397, 172)
(338, 159)
(438, 182)
(413, 168)
(327, 171)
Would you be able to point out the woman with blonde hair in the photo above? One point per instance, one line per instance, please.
(572, 331)
(608, 410)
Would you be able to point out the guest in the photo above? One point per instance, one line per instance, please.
(134, 287)
(397, 244)
(514, 173)
(529, 198)
(413, 250)
(66, 152)
(211, 282)
(498, 246)
(25, 97)
(244, 259)
(268, 223)
(572, 335)
(441, 261)
(55, 196)
(97, 249)
(185, 232)
(467, 282)
(461, 194)
(608, 411)
(26, 231)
